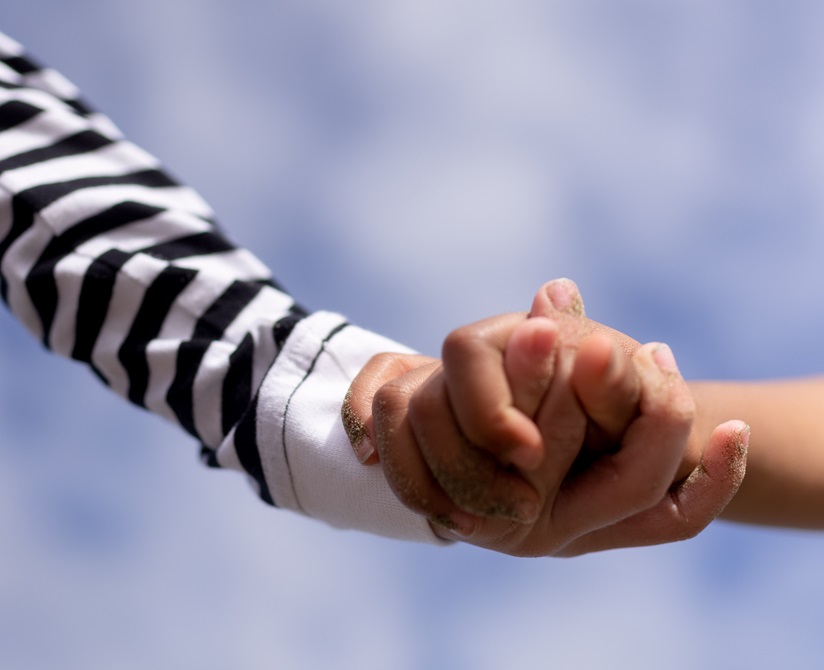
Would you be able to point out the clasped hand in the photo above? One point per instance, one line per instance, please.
(545, 434)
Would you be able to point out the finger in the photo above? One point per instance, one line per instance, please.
(529, 360)
(560, 300)
(356, 410)
(562, 424)
(480, 395)
(638, 476)
(608, 388)
(403, 464)
(690, 507)
(559, 296)
(625, 343)
(472, 478)
(603, 377)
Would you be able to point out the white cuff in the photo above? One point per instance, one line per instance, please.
(307, 460)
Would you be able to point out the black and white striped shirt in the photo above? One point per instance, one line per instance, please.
(108, 260)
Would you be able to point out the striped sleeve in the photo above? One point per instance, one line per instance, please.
(107, 259)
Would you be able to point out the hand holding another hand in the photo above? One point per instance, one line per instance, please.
(546, 434)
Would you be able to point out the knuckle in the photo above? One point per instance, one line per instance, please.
(380, 366)
(386, 396)
(458, 342)
(381, 361)
(387, 404)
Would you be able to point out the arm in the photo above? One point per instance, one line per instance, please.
(107, 259)
(784, 485)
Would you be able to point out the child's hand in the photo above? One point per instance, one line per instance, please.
(444, 432)
(407, 389)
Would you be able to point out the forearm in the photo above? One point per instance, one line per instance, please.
(107, 259)
(784, 485)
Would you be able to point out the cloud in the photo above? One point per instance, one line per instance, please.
(418, 165)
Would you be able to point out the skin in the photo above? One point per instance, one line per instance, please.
(784, 485)
(785, 475)
(541, 436)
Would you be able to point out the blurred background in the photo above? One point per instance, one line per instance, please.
(417, 165)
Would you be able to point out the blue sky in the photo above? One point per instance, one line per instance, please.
(417, 165)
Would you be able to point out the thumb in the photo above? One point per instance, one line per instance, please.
(690, 506)
(356, 410)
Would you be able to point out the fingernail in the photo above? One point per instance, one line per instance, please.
(522, 511)
(363, 449)
(464, 524)
(565, 296)
(663, 357)
(527, 511)
(458, 523)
